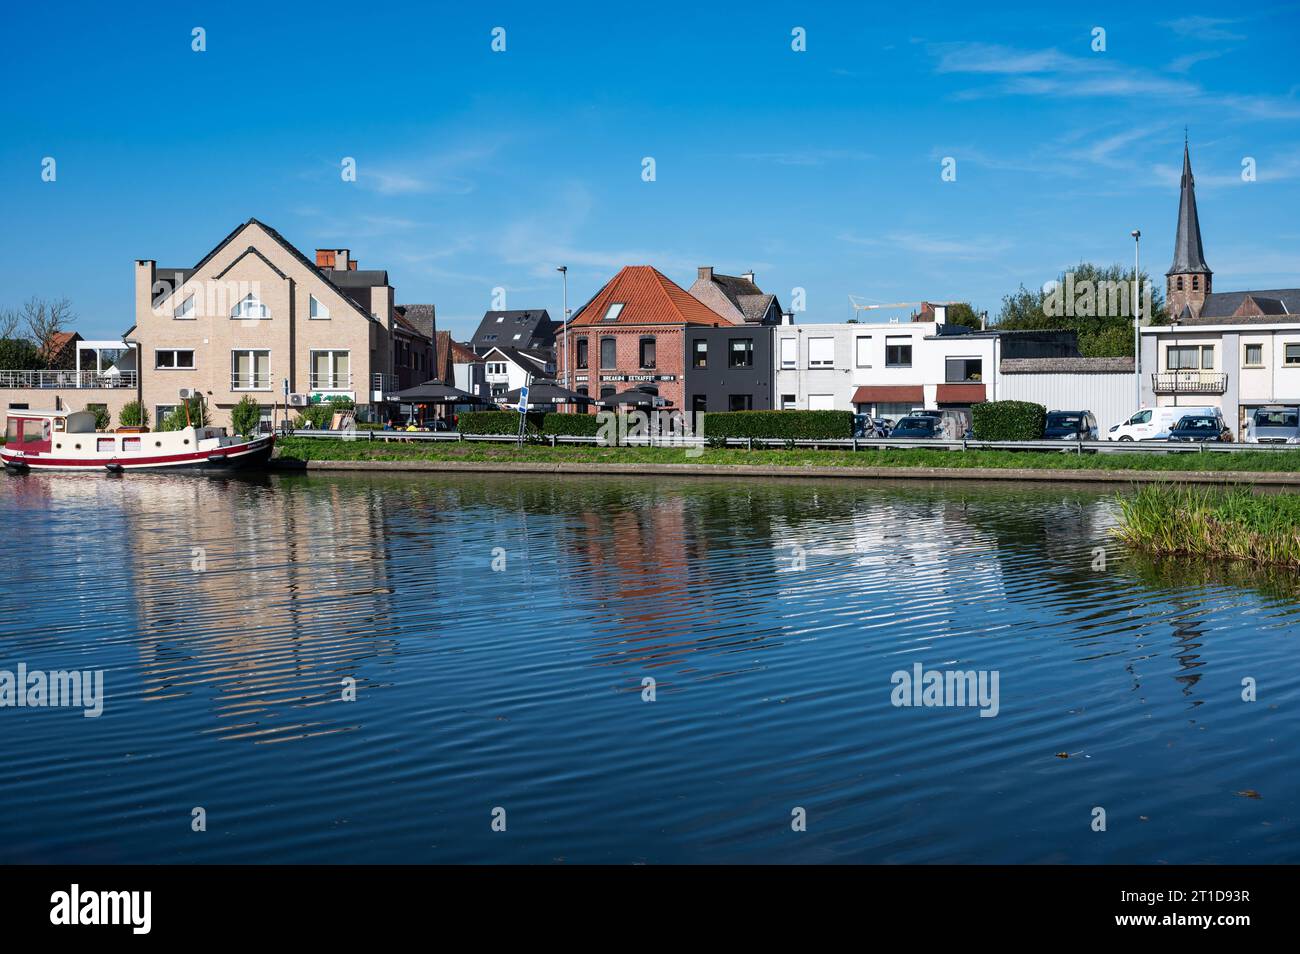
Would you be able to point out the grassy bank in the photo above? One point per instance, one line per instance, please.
(1207, 522)
(1283, 461)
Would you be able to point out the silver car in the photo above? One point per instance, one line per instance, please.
(1274, 424)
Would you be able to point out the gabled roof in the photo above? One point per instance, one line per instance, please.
(1233, 308)
(328, 279)
(532, 326)
(58, 341)
(1188, 254)
(530, 361)
(648, 297)
(463, 354)
(423, 317)
(737, 298)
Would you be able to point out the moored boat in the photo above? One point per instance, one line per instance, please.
(68, 440)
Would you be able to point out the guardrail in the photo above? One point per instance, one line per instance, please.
(87, 380)
(841, 443)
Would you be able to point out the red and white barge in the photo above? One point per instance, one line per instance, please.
(67, 440)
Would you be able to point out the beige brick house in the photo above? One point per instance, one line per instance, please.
(255, 316)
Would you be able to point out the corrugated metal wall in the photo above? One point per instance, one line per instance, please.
(1109, 396)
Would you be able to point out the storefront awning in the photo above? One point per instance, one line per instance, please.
(890, 394)
(960, 394)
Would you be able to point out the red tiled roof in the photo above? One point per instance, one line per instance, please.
(58, 341)
(889, 394)
(648, 298)
(462, 354)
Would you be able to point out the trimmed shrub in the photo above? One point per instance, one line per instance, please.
(245, 416)
(498, 422)
(133, 414)
(778, 425)
(103, 419)
(177, 420)
(570, 425)
(1008, 421)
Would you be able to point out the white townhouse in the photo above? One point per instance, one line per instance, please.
(508, 369)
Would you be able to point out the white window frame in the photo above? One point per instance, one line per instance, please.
(173, 352)
(251, 352)
(333, 374)
(317, 310)
(250, 308)
(789, 353)
(861, 343)
(814, 344)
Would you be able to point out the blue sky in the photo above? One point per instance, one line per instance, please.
(817, 169)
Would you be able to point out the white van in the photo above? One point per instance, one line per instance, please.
(1154, 423)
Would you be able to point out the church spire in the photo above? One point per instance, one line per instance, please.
(1189, 257)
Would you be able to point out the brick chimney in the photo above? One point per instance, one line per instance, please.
(705, 273)
(338, 259)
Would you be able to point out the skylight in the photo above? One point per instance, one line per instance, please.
(613, 312)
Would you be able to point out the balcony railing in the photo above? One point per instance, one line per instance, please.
(250, 382)
(330, 382)
(67, 379)
(1189, 382)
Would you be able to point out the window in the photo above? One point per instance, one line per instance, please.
(699, 353)
(501, 319)
(788, 402)
(647, 352)
(105, 444)
(821, 352)
(1186, 357)
(608, 353)
(169, 360)
(1196, 282)
(1253, 357)
(329, 371)
(582, 389)
(612, 313)
(315, 309)
(1207, 357)
(898, 352)
(1178, 283)
(963, 369)
(583, 346)
(740, 402)
(160, 413)
(789, 352)
(186, 311)
(862, 351)
(249, 307)
(1292, 355)
(606, 392)
(821, 402)
(699, 403)
(250, 370)
(740, 353)
(517, 337)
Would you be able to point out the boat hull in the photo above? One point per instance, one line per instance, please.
(249, 454)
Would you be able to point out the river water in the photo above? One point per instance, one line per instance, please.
(631, 670)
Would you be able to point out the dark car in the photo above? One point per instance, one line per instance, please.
(1199, 427)
(1070, 426)
(915, 426)
(864, 425)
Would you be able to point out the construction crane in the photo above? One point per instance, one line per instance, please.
(857, 305)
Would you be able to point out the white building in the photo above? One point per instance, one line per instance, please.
(508, 369)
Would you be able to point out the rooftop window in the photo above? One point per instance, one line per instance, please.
(612, 313)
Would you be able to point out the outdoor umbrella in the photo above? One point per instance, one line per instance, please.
(635, 397)
(435, 392)
(544, 393)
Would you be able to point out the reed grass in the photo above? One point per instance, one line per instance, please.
(1235, 524)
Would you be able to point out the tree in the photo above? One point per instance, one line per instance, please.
(19, 354)
(103, 419)
(133, 414)
(45, 321)
(963, 314)
(245, 416)
(1093, 300)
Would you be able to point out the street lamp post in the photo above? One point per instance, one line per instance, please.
(1137, 316)
(564, 330)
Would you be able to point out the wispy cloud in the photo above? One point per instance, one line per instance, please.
(974, 248)
(1204, 28)
(1183, 64)
(808, 157)
(450, 172)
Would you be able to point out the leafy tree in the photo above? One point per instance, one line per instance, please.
(177, 420)
(1099, 308)
(133, 414)
(19, 354)
(963, 314)
(245, 416)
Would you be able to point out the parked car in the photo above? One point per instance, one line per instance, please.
(1154, 423)
(1200, 427)
(864, 425)
(1071, 426)
(917, 426)
(1273, 424)
(953, 423)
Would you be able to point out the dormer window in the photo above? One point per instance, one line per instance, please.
(186, 310)
(612, 313)
(249, 307)
(315, 309)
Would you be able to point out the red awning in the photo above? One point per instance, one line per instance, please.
(890, 394)
(960, 394)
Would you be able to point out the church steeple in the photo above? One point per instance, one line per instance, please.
(1189, 278)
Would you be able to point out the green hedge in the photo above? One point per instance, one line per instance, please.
(571, 425)
(787, 425)
(498, 422)
(1008, 421)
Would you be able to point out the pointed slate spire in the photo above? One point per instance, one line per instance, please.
(1189, 257)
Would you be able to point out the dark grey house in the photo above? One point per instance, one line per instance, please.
(728, 368)
(526, 330)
